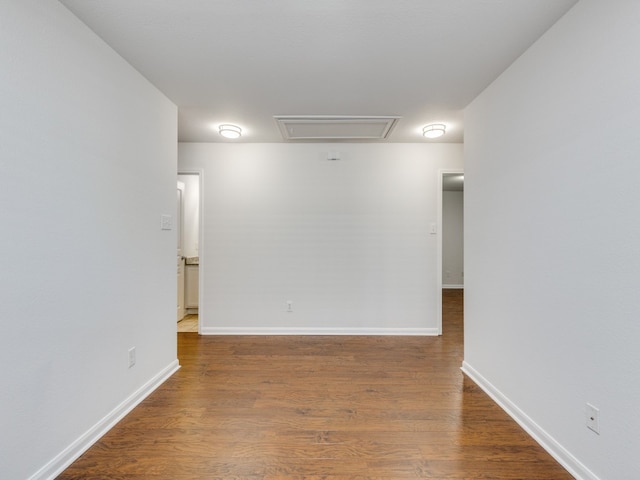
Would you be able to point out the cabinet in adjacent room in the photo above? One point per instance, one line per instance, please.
(191, 287)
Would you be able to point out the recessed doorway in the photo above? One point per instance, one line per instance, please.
(191, 219)
(450, 265)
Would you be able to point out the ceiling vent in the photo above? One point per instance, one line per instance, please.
(335, 128)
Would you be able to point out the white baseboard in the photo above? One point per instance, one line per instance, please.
(546, 441)
(317, 331)
(65, 458)
(453, 286)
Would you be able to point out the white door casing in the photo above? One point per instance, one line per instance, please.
(179, 257)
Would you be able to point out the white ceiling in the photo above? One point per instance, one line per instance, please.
(244, 61)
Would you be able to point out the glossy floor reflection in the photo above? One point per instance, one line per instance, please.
(311, 407)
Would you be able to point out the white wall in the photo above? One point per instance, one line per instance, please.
(191, 206)
(347, 241)
(452, 239)
(552, 245)
(88, 162)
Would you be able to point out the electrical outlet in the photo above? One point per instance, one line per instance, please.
(289, 306)
(132, 356)
(592, 416)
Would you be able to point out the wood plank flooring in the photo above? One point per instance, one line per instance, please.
(319, 407)
(189, 323)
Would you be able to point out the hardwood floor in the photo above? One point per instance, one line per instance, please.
(319, 407)
(189, 323)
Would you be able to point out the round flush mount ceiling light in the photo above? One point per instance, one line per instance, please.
(230, 131)
(434, 130)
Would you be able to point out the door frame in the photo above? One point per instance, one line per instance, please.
(201, 236)
(441, 174)
(179, 225)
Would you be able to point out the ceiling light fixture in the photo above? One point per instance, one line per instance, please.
(434, 130)
(230, 131)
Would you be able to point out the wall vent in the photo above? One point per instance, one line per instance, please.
(335, 128)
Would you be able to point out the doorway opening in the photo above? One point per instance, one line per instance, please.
(190, 233)
(450, 264)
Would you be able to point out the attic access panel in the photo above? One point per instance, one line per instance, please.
(333, 128)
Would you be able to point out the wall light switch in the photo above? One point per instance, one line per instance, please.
(165, 222)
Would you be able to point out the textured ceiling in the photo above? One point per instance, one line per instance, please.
(244, 61)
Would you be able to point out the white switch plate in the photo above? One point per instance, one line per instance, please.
(165, 222)
(433, 229)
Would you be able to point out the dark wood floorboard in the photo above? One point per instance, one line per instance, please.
(319, 407)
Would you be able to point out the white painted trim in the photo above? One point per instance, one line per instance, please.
(318, 331)
(65, 458)
(448, 285)
(546, 441)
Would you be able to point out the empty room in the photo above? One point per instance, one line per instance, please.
(405, 239)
